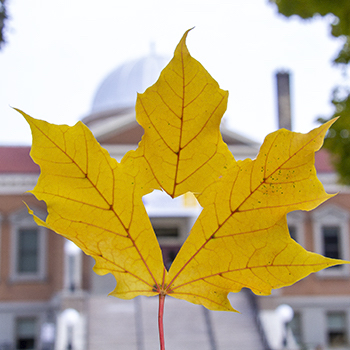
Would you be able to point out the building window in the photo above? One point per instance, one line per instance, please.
(169, 255)
(331, 241)
(336, 329)
(162, 232)
(330, 228)
(28, 248)
(26, 330)
(170, 231)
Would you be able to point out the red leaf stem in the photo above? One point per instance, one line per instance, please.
(160, 321)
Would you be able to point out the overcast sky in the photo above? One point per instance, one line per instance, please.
(58, 52)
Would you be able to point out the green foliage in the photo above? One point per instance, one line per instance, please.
(3, 18)
(344, 54)
(338, 137)
(310, 8)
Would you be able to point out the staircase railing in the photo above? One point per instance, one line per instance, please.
(255, 308)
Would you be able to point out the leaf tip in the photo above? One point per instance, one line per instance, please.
(331, 122)
(181, 47)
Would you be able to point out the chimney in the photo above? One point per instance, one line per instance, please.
(283, 100)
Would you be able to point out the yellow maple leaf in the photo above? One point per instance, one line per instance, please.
(241, 238)
(97, 203)
(181, 115)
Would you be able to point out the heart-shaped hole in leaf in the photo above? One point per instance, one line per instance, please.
(172, 220)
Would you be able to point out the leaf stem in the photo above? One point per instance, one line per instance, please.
(160, 321)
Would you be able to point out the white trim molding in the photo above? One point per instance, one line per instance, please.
(330, 216)
(23, 220)
(297, 220)
(17, 183)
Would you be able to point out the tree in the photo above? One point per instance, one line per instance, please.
(3, 18)
(311, 8)
(338, 138)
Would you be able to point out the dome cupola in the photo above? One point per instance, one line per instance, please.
(119, 89)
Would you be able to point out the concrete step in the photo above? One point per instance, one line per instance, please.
(132, 325)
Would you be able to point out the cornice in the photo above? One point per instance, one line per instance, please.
(17, 183)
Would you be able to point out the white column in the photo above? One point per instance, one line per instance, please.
(73, 267)
(70, 331)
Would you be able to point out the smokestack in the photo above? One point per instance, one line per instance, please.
(283, 99)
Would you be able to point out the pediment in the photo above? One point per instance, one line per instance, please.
(122, 129)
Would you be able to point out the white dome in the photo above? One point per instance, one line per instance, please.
(119, 89)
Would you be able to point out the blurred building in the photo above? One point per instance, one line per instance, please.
(51, 299)
(321, 302)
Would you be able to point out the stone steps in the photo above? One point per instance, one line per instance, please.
(132, 325)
